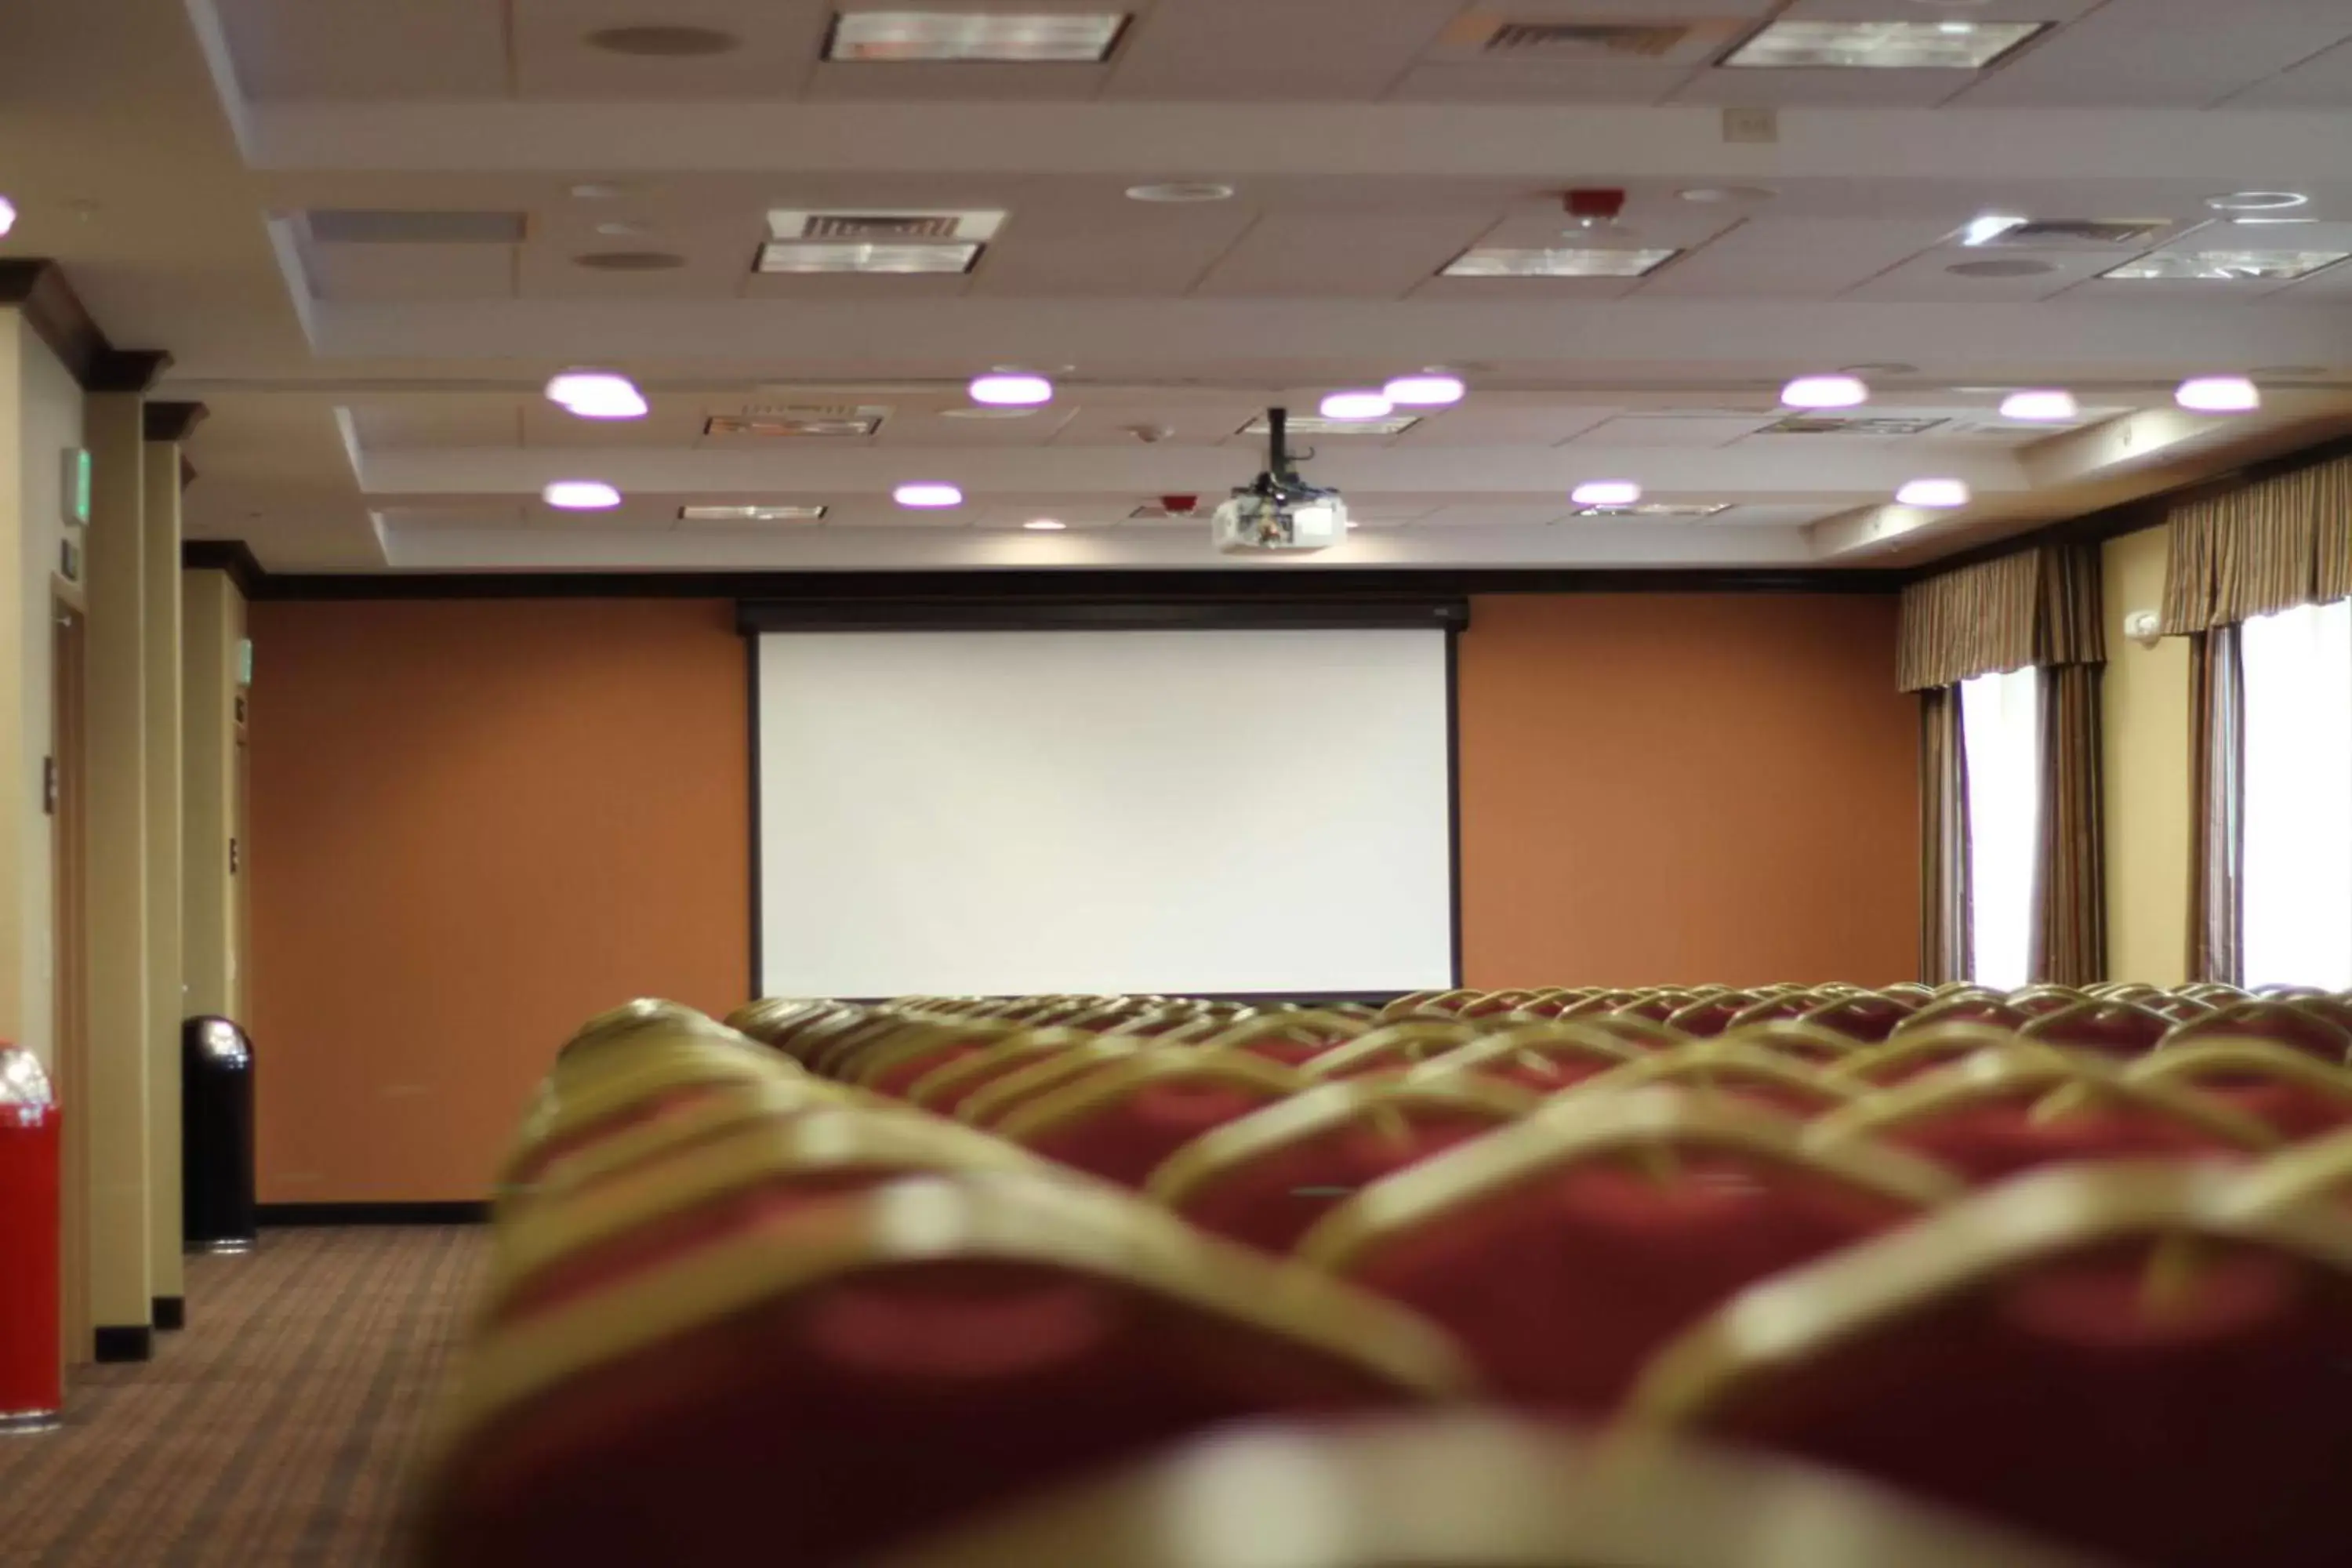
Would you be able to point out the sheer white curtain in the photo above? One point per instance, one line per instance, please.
(2298, 803)
(2001, 726)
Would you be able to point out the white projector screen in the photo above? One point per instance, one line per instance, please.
(952, 812)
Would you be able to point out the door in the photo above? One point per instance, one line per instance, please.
(65, 781)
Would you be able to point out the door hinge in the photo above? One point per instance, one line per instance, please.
(48, 787)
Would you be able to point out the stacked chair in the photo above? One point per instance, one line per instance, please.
(1679, 1276)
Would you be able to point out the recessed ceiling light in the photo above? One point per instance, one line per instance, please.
(1315, 424)
(983, 413)
(897, 36)
(1713, 193)
(2218, 395)
(1990, 227)
(599, 193)
(663, 42)
(1885, 46)
(1011, 390)
(597, 395)
(1937, 494)
(1350, 406)
(1430, 389)
(1825, 392)
(751, 514)
(630, 261)
(801, 256)
(581, 495)
(2040, 405)
(7, 216)
(2229, 265)
(2261, 220)
(926, 495)
(2256, 201)
(1045, 525)
(1606, 493)
(1556, 261)
(1180, 191)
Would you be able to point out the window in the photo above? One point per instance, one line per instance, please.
(2298, 796)
(2001, 725)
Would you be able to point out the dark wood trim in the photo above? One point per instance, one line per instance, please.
(174, 421)
(374, 1214)
(112, 1345)
(758, 894)
(1453, 801)
(2146, 511)
(1090, 610)
(230, 555)
(170, 1314)
(40, 290)
(966, 587)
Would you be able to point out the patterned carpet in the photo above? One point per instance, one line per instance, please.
(273, 1432)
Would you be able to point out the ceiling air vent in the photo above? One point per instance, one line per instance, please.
(2058, 233)
(1585, 39)
(768, 424)
(884, 226)
(1831, 425)
(391, 225)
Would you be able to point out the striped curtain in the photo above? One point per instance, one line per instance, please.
(2217, 831)
(1971, 622)
(2258, 549)
(2070, 868)
(1946, 945)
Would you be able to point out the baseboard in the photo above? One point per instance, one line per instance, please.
(374, 1214)
(170, 1314)
(122, 1344)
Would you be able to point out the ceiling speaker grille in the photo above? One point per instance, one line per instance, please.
(1831, 425)
(881, 227)
(783, 424)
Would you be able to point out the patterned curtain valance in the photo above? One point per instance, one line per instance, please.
(2039, 606)
(2261, 548)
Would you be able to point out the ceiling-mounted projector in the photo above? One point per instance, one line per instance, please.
(1279, 510)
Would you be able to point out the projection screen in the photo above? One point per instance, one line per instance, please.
(1195, 812)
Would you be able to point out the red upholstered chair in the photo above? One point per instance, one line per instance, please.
(1544, 1058)
(1268, 1177)
(2336, 1010)
(1970, 1006)
(1710, 1015)
(589, 1100)
(1630, 1028)
(2124, 1030)
(1291, 1038)
(2279, 1023)
(1729, 1068)
(1862, 1018)
(678, 1129)
(1119, 1122)
(1774, 1008)
(778, 1021)
(1912, 1055)
(1657, 1006)
(1593, 1004)
(1908, 991)
(2128, 1358)
(1496, 1004)
(945, 1088)
(2296, 1095)
(1563, 1249)
(635, 1224)
(857, 1373)
(2218, 993)
(1469, 1491)
(1800, 1041)
(1420, 1001)
(2003, 1111)
(2036, 1000)
(990, 1104)
(892, 1067)
(1392, 1047)
(2318, 1170)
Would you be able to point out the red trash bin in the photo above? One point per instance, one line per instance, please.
(32, 1379)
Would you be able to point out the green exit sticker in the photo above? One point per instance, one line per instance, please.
(244, 661)
(78, 486)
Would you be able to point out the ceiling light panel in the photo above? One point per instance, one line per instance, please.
(802, 256)
(1313, 424)
(1657, 509)
(1951, 44)
(1556, 261)
(751, 515)
(967, 36)
(2228, 266)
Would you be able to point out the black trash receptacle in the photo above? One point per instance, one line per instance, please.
(216, 1136)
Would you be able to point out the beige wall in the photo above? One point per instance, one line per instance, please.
(213, 926)
(2147, 718)
(166, 990)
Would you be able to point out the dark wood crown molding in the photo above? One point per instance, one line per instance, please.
(174, 421)
(39, 290)
(230, 555)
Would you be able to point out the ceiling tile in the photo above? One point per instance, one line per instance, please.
(396, 274)
(1111, 246)
(1275, 50)
(1536, 81)
(2323, 81)
(1792, 258)
(1504, 419)
(1199, 419)
(419, 49)
(911, 427)
(1371, 256)
(673, 422)
(1928, 277)
(1499, 514)
(1867, 89)
(779, 40)
(2152, 54)
(422, 423)
(1687, 430)
(709, 269)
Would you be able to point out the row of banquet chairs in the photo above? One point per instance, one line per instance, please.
(975, 1281)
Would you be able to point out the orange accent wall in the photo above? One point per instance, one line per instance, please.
(1658, 789)
(475, 823)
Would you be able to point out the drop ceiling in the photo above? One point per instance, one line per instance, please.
(368, 233)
